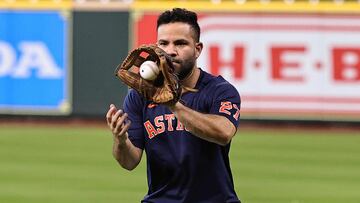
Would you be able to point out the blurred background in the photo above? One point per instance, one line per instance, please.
(296, 64)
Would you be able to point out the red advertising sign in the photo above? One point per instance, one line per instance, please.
(284, 66)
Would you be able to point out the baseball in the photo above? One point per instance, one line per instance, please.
(149, 70)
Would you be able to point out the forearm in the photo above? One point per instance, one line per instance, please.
(213, 128)
(126, 154)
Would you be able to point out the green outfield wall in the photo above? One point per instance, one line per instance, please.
(100, 43)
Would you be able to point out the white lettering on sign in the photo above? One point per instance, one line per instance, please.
(33, 56)
(7, 58)
(286, 63)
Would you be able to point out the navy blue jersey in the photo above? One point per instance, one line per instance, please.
(180, 166)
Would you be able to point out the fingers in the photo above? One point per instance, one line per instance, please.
(117, 121)
(125, 128)
(117, 118)
(122, 126)
(109, 114)
(120, 122)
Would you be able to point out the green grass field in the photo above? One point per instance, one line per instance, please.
(58, 164)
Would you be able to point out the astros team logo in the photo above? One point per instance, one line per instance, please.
(169, 123)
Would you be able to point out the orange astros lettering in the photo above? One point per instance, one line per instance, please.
(150, 129)
(160, 125)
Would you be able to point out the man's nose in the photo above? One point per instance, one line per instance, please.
(171, 50)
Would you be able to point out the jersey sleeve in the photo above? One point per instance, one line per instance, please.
(226, 102)
(133, 104)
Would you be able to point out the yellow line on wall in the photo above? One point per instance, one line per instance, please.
(39, 5)
(297, 7)
(160, 5)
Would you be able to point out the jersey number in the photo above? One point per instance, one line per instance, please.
(227, 106)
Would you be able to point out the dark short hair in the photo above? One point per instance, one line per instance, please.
(180, 15)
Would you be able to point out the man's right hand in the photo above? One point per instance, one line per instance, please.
(118, 123)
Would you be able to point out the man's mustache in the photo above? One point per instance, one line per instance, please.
(175, 60)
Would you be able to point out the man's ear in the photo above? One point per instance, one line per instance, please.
(198, 48)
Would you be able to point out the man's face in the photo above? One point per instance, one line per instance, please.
(177, 40)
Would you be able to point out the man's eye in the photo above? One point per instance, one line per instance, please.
(179, 45)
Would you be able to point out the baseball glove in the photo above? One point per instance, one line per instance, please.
(165, 89)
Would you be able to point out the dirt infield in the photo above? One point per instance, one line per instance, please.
(321, 126)
(54, 121)
(353, 127)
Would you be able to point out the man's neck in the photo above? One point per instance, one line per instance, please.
(192, 79)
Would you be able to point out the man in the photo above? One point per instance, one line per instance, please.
(186, 143)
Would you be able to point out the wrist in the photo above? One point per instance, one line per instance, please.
(175, 106)
(120, 141)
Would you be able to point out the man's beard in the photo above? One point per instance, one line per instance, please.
(186, 67)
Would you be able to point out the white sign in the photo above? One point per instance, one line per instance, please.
(287, 64)
(34, 55)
